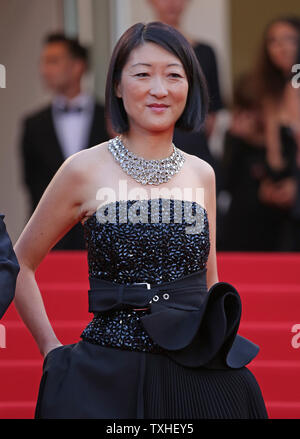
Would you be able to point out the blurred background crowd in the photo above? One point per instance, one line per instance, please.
(53, 105)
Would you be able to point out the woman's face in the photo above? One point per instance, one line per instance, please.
(282, 45)
(153, 87)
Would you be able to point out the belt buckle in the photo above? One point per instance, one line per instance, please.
(143, 283)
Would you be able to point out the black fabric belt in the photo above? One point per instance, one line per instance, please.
(196, 327)
(191, 290)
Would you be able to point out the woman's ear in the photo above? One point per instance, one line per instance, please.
(118, 90)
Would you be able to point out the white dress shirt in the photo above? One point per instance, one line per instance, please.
(73, 127)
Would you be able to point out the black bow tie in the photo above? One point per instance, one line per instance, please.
(69, 109)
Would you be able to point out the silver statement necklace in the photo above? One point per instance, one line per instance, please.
(142, 170)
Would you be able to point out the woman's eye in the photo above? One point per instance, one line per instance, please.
(175, 75)
(142, 74)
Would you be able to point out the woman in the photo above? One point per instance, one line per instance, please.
(243, 168)
(153, 348)
(281, 111)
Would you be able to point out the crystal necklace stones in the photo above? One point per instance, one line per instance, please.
(146, 171)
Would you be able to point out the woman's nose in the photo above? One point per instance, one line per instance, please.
(158, 87)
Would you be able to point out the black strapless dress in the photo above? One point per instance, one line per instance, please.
(169, 360)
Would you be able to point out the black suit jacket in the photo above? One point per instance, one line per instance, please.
(42, 156)
(9, 269)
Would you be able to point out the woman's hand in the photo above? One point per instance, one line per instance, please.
(281, 194)
(49, 348)
(285, 194)
(57, 212)
(266, 191)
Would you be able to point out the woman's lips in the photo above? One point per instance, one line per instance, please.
(158, 108)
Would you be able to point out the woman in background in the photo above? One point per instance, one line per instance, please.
(280, 102)
(259, 165)
(243, 169)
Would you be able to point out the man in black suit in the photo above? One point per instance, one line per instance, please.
(73, 121)
(9, 269)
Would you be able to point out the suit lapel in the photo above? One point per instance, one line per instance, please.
(53, 150)
(93, 129)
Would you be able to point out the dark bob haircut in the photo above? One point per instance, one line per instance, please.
(193, 116)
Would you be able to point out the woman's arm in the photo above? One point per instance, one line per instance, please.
(272, 138)
(57, 212)
(209, 176)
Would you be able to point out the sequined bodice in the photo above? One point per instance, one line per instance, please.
(162, 240)
(155, 241)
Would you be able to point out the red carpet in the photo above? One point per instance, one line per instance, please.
(269, 285)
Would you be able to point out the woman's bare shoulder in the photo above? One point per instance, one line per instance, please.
(83, 162)
(201, 166)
